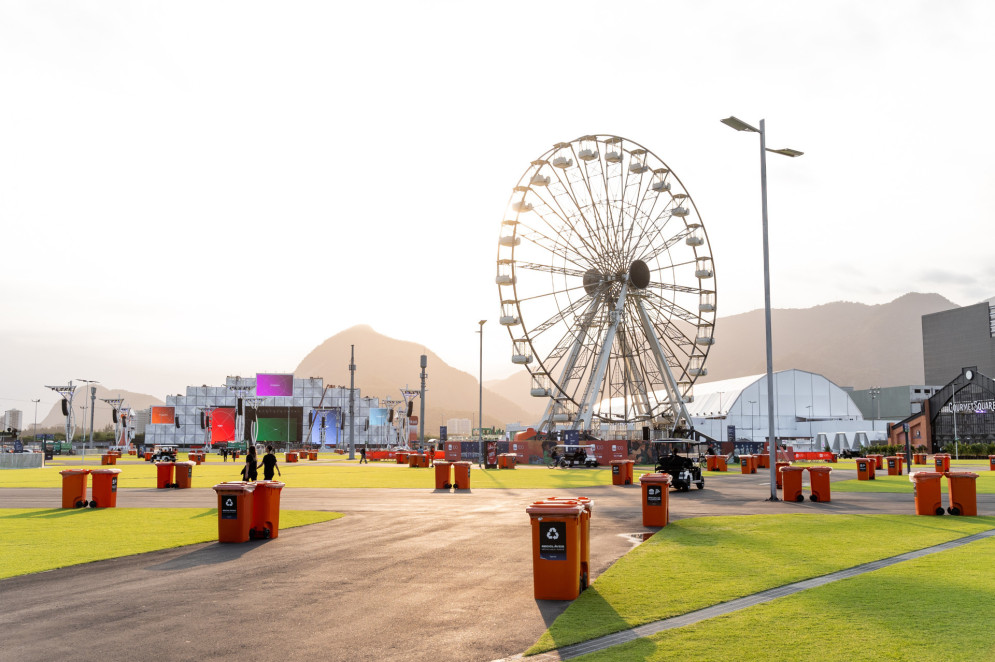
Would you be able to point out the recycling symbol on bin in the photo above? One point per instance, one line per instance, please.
(653, 491)
(229, 501)
(553, 534)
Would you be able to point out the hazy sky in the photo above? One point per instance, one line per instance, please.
(190, 190)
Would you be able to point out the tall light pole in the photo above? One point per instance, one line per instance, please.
(740, 125)
(875, 392)
(480, 411)
(752, 402)
(35, 435)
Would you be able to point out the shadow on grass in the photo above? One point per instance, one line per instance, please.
(590, 601)
(51, 513)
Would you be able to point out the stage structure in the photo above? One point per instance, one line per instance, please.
(408, 421)
(607, 286)
(179, 422)
(67, 393)
(394, 420)
(115, 404)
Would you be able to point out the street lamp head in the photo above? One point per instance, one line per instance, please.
(482, 322)
(786, 151)
(738, 124)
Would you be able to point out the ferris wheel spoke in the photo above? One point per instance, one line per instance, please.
(579, 213)
(556, 247)
(548, 268)
(561, 315)
(671, 309)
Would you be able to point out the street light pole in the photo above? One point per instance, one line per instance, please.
(740, 125)
(35, 435)
(752, 402)
(480, 411)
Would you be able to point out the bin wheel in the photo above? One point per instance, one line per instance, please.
(813, 497)
(628, 482)
(953, 510)
(93, 504)
(939, 510)
(800, 498)
(80, 504)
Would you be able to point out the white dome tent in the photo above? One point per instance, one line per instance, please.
(809, 410)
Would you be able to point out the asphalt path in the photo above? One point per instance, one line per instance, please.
(405, 575)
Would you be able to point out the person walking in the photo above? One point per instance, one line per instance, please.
(269, 464)
(362, 455)
(250, 471)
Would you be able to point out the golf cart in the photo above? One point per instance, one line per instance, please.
(682, 459)
(163, 454)
(569, 455)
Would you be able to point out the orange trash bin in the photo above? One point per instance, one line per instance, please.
(791, 479)
(819, 478)
(423, 460)
(313, 455)
(710, 462)
(962, 493)
(777, 473)
(746, 464)
(919, 458)
(104, 492)
(109, 458)
(618, 472)
(266, 509)
(926, 487)
(761, 461)
(656, 489)
(148, 456)
(942, 462)
(585, 533)
(878, 461)
(443, 475)
(163, 475)
(74, 488)
(234, 511)
(556, 553)
(461, 475)
(895, 464)
(865, 468)
(412, 460)
(401, 457)
(991, 462)
(183, 474)
(720, 463)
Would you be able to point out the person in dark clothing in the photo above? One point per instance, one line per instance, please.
(269, 464)
(362, 455)
(249, 471)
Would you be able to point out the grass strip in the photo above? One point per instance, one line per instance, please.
(36, 539)
(928, 609)
(695, 563)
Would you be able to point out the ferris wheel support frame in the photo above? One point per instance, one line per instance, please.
(594, 387)
(673, 391)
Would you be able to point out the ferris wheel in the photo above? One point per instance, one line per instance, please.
(607, 285)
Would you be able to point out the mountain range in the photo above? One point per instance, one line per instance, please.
(852, 344)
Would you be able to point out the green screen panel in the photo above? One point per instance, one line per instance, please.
(276, 429)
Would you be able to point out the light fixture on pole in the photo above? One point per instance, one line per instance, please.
(35, 435)
(740, 125)
(480, 411)
(874, 393)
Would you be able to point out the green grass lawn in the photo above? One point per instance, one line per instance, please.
(695, 563)
(139, 474)
(933, 608)
(36, 539)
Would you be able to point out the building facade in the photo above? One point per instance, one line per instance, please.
(12, 419)
(956, 338)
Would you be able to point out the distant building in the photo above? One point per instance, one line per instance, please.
(962, 412)
(809, 411)
(892, 402)
(458, 427)
(956, 338)
(12, 419)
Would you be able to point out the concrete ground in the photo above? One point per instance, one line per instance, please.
(406, 575)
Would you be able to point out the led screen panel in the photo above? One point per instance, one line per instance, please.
(274, 384)
(327, 423)
(163, 415)
(276, 429)
(378, 416)
(223, 425)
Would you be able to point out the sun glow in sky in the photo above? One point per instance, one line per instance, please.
(196, 189)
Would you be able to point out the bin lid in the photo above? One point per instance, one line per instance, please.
(584, 501)
(271, 484)
(961, 474)
(463, 462)
(235, 486)
(819, 470)
(555, 509)
(105, 471)
(187, 463)
(917, 476)
(165, 463)
(72, 472)
(788, 468)
(655, 478)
